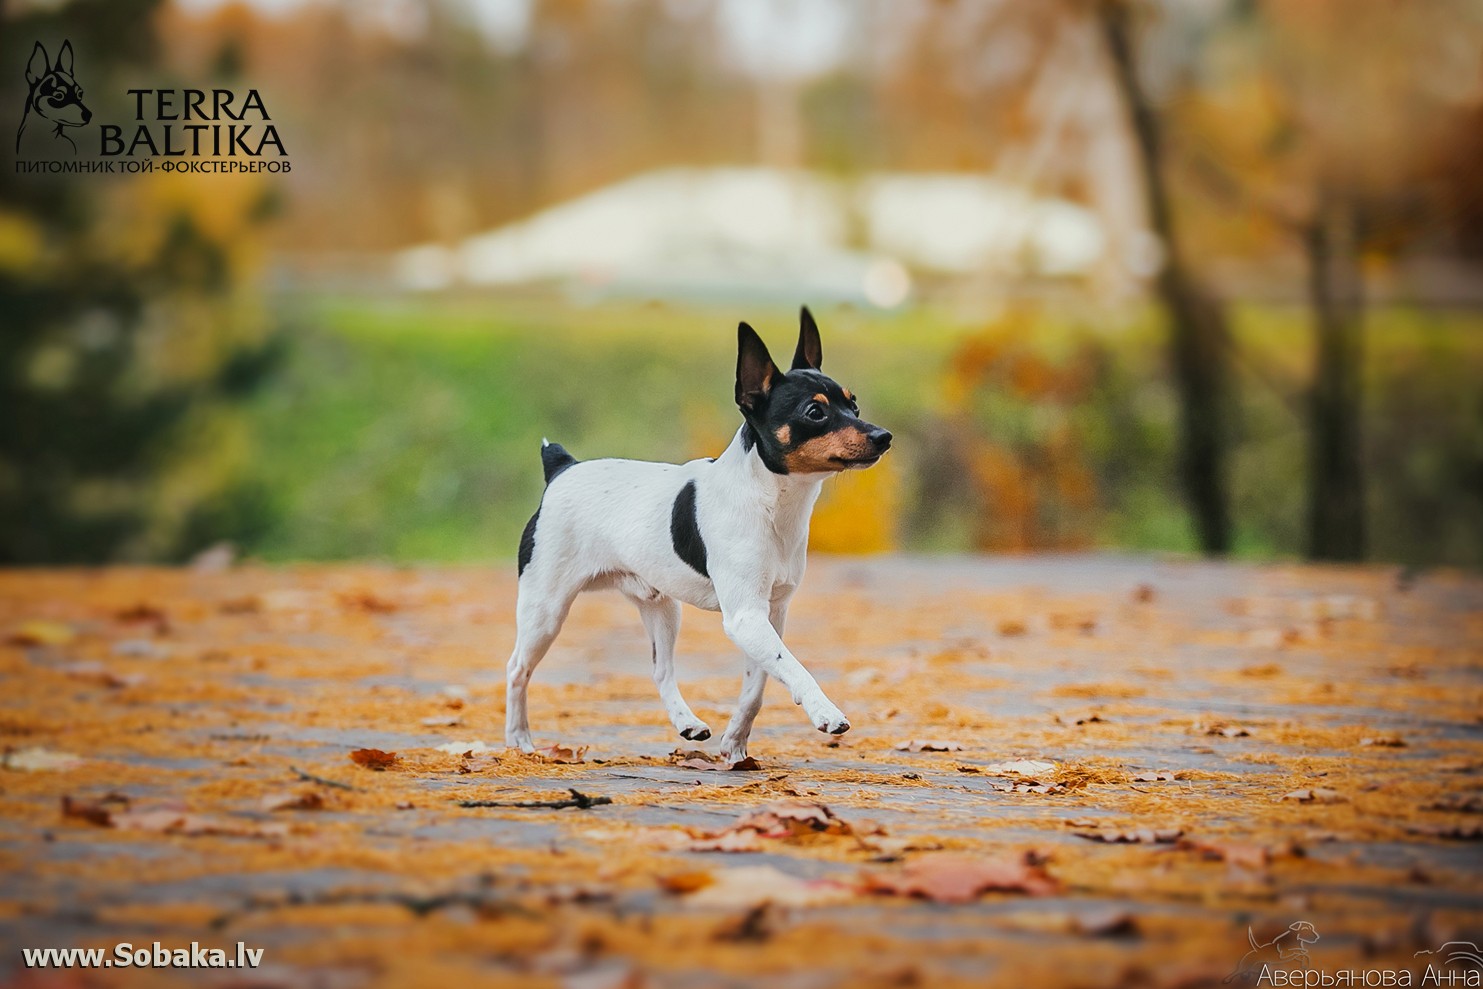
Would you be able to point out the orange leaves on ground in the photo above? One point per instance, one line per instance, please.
(1315, 795)
(367, 601)
(373, 759)
(954, 878)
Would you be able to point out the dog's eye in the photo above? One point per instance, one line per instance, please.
(814, 412)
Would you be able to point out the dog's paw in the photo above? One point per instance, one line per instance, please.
(831, 722)
(697, 732)
(524, 744)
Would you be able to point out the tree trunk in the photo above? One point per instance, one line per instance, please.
(1336, 495)
(1197, 328)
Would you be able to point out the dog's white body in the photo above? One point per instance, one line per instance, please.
(606, 524)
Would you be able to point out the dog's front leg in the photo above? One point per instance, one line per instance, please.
(744, 616)
(754, 683)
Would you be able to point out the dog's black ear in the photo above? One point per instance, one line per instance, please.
(754, 367)
(39, 65)
(64, 58)
(810, 352)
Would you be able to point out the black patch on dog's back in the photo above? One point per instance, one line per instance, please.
(684, 530)
(554, 460)
(528, 543)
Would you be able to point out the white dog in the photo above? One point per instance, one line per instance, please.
(726, 534)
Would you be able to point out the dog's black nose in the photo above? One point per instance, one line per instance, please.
(881, 438)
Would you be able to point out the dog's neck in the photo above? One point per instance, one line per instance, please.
(784, 494)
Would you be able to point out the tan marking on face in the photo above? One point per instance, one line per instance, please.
(784, 435)
(824, 453)
(822, 398)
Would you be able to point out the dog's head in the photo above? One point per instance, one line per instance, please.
(55, 94)
(802, 421)
(1306, 932)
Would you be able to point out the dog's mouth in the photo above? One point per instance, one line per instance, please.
(853, 463)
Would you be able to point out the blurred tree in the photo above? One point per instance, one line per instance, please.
(1198, 332)
(126, 327)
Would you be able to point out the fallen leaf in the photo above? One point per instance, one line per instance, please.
(1315, 795)
(166, 820)
(1242, 854)
(955, 878)
(442, 721)
(475, 747)
(1159, 777)
(747, 765)
(95, 672)
(727, 841)
(684, 882)
(749, 886)
(291, 800)
(757, 924)
(373, 759)
(1457, 832)
(367, 601)
(1384, 742)
(1019, 767)
(1464, 803)
(918, 745)
(41, 633)
(40, 760)
(562, 754)
(1082, 718)
(1108, 922)
(1134, 836)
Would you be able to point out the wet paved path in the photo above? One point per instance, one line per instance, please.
(1147, 758)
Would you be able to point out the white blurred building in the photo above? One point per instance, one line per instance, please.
(763, 232)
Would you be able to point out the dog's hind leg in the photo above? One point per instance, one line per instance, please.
(661, 616)
(539, 612)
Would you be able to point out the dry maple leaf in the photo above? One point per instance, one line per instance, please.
(955, 878)
(1158, 777)
(921, 745)
(373, 758)
(562, 754)
(789, 818)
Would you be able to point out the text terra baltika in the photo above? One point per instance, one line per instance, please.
(219, 129)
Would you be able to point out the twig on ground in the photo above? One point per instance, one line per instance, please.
(578, 799)
(311, 778)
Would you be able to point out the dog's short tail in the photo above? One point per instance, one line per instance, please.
(554, 459)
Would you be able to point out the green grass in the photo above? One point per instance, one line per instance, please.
(409, 429)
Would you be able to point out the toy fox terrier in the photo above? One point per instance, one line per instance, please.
(726, 534)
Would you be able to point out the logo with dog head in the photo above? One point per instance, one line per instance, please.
(1290, 948)
(54, 100)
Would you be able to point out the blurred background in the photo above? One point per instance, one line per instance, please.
(1200, 276)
